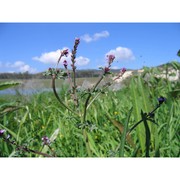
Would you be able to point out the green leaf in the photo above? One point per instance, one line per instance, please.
(92, 145)
(8, 107)
(137, 108)
(18, 139)
(123, 137)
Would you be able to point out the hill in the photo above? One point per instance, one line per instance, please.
(171, 67)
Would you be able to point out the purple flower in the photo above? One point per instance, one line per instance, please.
(45, 140)
(65, 64)
(106, 70)
(2, 131)
(65, 52)
(123, 70)
(161, 99)
(110, 58)
(77, 41)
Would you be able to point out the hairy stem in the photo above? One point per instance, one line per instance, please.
(25, 149)
(58, 98)
(74, 87)
(84, 118)
(88, 98)
(105, 87)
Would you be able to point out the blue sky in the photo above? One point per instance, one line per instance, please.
(34, 47)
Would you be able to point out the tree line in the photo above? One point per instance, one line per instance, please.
(27, 75)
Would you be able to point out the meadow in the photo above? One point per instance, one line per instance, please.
(66, 116)
(106, 129)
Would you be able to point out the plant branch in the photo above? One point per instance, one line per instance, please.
(25, 149)
(58, 98)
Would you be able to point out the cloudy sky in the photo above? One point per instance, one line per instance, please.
(34, 47)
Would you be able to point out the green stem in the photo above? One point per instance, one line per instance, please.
(58, 98)
(25, 149)
(108, 84)
(88, 98)
(84, 118)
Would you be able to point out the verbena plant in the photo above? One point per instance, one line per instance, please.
(78, 122)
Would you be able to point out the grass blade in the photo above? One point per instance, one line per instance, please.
(123, 137)
(136, 111)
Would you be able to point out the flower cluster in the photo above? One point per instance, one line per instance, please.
(161, 100)
(110, 61)
(64, 52)
(77, 41)
(65, 64)
(74, 51)
(2, 131)
(111, 58)
(106, 70)
(57, 73)
(122, 71)
(46, 140)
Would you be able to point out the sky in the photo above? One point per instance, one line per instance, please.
(23, 45)
(34, 47)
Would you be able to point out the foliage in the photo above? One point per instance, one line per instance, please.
(94, 122)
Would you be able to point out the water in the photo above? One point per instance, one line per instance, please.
(13, 91)
(28, 87)
(34, 86)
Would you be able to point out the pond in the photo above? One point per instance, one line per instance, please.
(28, 87)
(33, 86)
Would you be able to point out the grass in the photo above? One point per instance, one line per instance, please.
(41, 115)
(91, 120)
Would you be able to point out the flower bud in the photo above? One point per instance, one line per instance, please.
(77, 41)
(123, 70)
(45, 140)
(65, 64)
(111, 58)
(106, 70)
(161, 100)
(2, 131)
(65, 52)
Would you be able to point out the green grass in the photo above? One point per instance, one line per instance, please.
(108, 119)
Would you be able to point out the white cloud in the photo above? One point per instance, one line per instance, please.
(87, 38)
(17, 64)
(20, 66)
(122, 53)
(49, 57)
(52, 58)
(82, 61)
